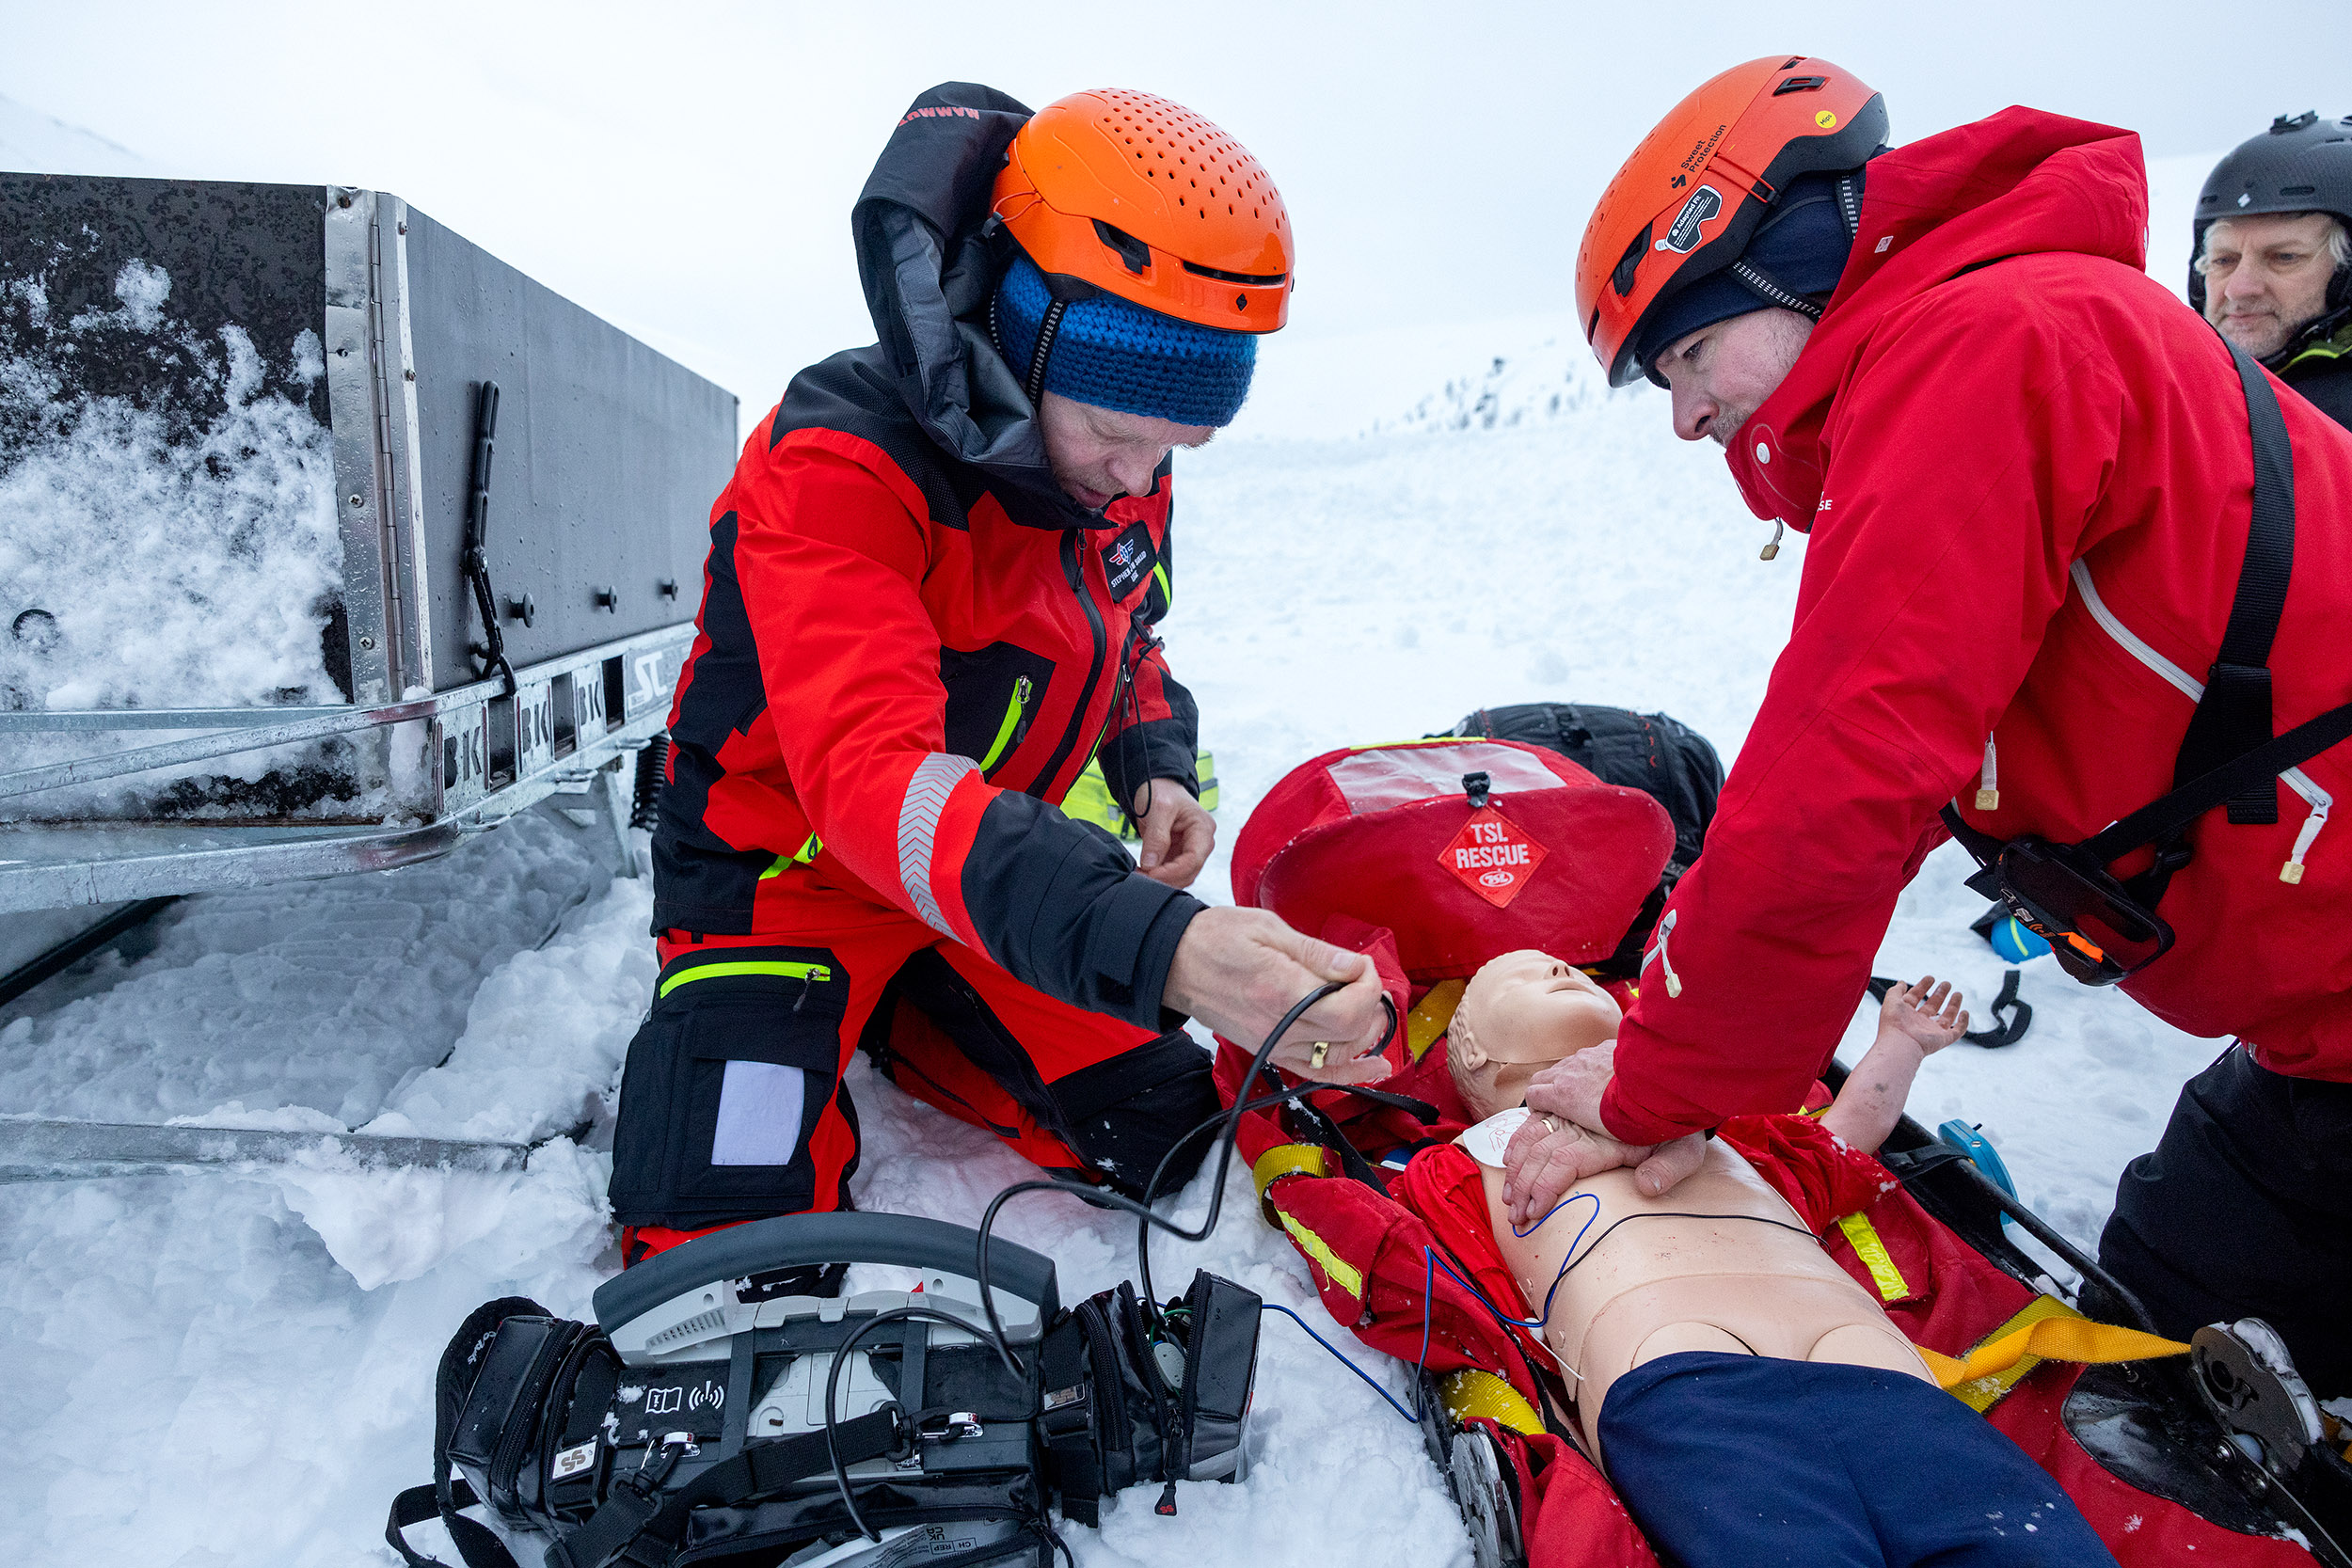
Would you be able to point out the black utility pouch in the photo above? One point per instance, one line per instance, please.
(494, 1441)
(1221, 1321)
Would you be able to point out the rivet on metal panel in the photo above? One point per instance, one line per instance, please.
(669, 588)
(607, 598)
(524, 610)
(404, 228)
(408, 375)
(358, 500)
(367, 642)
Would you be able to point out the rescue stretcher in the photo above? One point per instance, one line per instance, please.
(2205, 1454)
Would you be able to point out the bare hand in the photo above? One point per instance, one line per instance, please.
(1178, 832)
(1563, 1142)
(1928, 1018)
(1239, 971)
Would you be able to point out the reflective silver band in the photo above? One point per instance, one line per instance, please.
(935, 779)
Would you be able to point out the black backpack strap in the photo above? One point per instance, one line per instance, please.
(476, 1543)
(639, 1524)
(2234, 714)
(2172, 813)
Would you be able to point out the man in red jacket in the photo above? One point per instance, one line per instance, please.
(929, 605)
(2028, 477)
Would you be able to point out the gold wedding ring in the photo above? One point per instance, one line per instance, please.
(1322, 1052)
(1550, 1126)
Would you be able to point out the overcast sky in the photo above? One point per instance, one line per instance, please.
(688, 170)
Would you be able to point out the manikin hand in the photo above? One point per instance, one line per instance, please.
(1927, 1015)
(1239, 971)
(1178, 832)
(1563, 1142)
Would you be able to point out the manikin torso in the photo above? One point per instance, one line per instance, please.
(1664, 1283)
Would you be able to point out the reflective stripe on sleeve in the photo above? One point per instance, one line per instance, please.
(935, 779)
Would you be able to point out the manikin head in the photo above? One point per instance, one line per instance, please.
(1522, 1012)
(2267, 276)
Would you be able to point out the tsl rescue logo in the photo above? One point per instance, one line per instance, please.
(1493, 856)
(1128, 560)
(1704, 204)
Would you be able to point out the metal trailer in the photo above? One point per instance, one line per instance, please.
(505, 630)
(606, 457)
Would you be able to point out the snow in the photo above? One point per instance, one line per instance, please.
(236, 1368)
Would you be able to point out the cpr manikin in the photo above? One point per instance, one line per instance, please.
(1721, 1263)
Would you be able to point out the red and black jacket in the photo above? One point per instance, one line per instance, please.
(912, 642)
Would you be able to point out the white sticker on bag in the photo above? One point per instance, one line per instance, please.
(574, 1460)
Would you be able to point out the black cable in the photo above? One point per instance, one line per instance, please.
(1098, 1198)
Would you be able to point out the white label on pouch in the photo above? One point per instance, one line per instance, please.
(572, 1460)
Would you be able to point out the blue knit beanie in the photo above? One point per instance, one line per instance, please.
(1801, 246)
(1114, 355)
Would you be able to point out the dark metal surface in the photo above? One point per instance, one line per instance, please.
(610, 455)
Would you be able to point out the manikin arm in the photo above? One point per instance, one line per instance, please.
(1914, 1023)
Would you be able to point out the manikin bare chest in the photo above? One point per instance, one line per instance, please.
(1720, 1263)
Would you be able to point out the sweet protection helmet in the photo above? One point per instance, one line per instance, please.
(1686, 203)
(1143, 198)
(2301, 165)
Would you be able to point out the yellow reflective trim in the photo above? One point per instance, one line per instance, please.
(1285, 1160)
(2046, 1330)
(1350, 1281)
(1021, 690)
(1167, 591)
(1468, 1392)
(802, 856)
(1871, 1249)
(818, 973)
(1431, 1015)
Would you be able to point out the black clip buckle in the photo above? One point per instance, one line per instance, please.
(1477, 787)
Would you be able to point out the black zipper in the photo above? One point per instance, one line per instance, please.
(1111, 1428)
(1073, 568)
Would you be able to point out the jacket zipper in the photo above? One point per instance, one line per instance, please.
(2319, 799)
(1073, 569)
(1014, 725)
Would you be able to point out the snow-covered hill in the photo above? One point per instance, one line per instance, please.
(35, 143)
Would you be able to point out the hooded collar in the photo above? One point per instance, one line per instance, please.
(2019, 182)
(929, 257)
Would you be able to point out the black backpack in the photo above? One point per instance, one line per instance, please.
(1665, 759)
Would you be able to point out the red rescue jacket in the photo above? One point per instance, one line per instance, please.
(912, 642)
(2028, 478)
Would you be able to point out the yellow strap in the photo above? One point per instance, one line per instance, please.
(1431, 1015)
(2046, 1330)
(1469, 1392)
(1285, 1160)
(1871, 1249)
(708, 971)
(1348, 1279)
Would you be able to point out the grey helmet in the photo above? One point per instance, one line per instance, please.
(2301, 165)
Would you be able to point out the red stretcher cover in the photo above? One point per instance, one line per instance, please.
(1360, 847)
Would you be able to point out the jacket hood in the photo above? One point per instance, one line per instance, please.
(929, 260)
(2020, 182)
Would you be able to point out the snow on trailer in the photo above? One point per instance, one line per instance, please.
(326, 537)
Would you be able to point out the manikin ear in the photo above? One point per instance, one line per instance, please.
(1461, 1044)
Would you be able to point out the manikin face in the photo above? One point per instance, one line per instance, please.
(1100, 454)
(1720, 375)
(1520, 1013)
(2267, 278)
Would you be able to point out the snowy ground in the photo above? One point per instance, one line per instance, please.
(237, 1368)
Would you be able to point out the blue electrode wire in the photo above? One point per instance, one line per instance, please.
(1431, 1263)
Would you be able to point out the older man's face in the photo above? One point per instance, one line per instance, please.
(2267, 278)
(1720, 375)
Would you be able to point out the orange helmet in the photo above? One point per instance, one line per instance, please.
(1145, 200)
(1688, 200)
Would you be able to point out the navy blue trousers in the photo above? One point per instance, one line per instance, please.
(1742, 1461)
